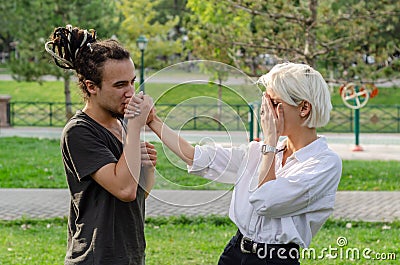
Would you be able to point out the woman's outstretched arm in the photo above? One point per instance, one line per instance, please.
(172, 140)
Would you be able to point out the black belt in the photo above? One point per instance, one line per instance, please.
(249, 246)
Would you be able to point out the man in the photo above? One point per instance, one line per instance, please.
(106, 220)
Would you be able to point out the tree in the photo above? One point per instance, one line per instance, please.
(168, 9)
(32, 21)
(331, 35)
(140, 17)
(7, 11)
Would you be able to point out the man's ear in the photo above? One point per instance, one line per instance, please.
(91, 87)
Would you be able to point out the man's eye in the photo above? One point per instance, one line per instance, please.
(120, 85)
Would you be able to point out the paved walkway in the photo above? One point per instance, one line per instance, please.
(351, 205)
(375, 146)
(47, 203)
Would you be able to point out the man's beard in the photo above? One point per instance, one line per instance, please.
(117, 115)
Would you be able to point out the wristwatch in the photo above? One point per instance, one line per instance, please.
(266, 148)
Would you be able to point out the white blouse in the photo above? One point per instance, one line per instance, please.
(291, 208)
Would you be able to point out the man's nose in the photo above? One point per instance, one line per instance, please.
(131, 91)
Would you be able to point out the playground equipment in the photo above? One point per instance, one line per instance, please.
(355, 97)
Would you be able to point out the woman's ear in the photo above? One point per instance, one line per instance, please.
(305, 108)
(91, 87)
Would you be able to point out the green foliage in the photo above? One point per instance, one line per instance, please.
(140, 18)
(333, 35)
(32, 22)
(213, 29)
(42, 17)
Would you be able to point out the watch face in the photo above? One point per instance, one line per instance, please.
(265, 148)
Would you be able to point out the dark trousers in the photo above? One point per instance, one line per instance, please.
(277, 254)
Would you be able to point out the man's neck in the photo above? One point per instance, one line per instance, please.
(102, 116)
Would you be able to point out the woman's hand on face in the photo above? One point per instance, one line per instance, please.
(271, 120)
(140, 107)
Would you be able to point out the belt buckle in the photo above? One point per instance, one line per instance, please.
(254, 245)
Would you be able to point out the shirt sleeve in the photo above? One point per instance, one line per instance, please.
(217, 163)
(86, 151)
(310, 189)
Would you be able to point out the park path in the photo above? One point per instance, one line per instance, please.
(350, 205)
(374, 206)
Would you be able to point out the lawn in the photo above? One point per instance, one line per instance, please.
(183, 240)
(53, 91)
(36, 163)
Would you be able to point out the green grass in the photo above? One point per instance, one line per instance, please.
(370, 175)
(53, 91)
(183, 240)
(33, 241)
(172, 174)
(35, 92)
(31, 162)
(36, 163)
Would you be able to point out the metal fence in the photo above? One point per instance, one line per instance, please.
(373, 118)
(26, 113)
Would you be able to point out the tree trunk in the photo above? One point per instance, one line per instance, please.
(219, 102)
(310, 44)
(67, 92)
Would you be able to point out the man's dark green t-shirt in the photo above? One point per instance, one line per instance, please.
(101, 228)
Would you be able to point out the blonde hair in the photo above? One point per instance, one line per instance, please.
(295, 83)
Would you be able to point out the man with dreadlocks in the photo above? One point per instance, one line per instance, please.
(106, 165)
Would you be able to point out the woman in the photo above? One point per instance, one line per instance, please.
(284, 190)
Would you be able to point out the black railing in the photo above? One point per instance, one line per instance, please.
(373, 118)
(25, 113)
